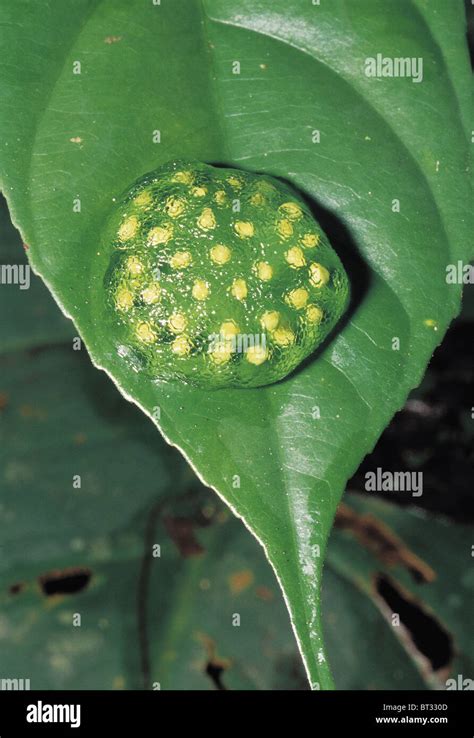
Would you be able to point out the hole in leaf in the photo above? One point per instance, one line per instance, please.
(215, 666)
(66, 581)
(426, 634)
(215, 671)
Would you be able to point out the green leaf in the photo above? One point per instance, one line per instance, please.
(69, 138)
(217, 568)
(384, 559)
(29, 317)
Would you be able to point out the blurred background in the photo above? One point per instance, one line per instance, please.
(130, 577)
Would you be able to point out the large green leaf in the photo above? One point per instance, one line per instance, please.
(189, 594)
(388, 560)
(169, 67)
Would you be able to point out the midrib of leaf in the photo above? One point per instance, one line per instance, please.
(220, 117)
(317, 670)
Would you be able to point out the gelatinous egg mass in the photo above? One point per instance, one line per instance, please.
(219, 277)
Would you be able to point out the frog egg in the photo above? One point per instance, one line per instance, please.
(215, 298)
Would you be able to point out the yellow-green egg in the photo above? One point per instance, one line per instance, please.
(200, 292)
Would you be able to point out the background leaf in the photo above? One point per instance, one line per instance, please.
(169, 68)
(169, 619)
(394, 557)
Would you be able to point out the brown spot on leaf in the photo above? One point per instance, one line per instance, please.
(29, 412)
(16, 588)
(76, 140)
(80, 438)
(112, 39)
(264, 593)
(240, 581)
(380, 540)
(181, 532)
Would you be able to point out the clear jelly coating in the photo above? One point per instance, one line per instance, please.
(219, 277)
